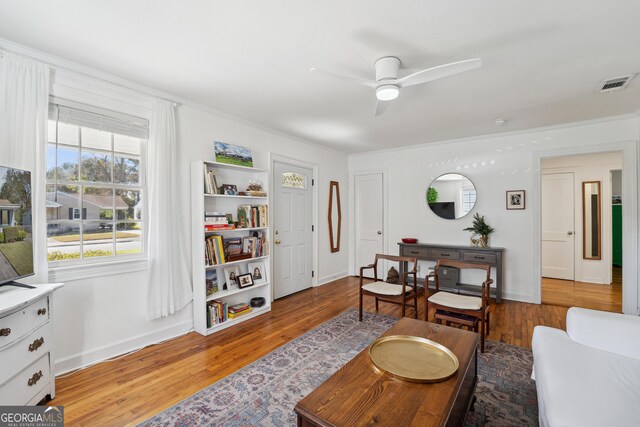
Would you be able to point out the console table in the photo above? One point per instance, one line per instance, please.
(434, 252)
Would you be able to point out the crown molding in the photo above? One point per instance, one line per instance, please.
(84, 71)
(485, 137)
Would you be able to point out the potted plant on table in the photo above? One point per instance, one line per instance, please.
(480, 230)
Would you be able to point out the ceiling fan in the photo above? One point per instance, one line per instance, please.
(388, 84)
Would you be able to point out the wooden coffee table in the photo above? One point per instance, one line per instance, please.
(359, 394)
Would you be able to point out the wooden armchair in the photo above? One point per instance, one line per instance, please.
(463, 309)
(389, 292)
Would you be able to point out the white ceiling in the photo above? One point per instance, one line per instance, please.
(542, 60)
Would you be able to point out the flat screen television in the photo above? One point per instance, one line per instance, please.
(445, 210)
(16, 243)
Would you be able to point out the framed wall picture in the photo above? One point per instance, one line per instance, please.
(515, 200)
(232, 154)
(245, 280)
(231, 276)
(258, 272)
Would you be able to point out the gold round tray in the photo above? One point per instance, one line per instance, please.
(413, 359)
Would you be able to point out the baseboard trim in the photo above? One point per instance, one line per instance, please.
(328, 279)
(91, 357)
(517, 297)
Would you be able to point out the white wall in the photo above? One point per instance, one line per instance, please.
(198, 129)
(105, 315)
(591, 167)
(494, 164)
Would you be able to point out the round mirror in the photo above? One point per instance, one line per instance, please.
(451, 196)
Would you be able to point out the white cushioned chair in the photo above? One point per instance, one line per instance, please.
(401, 293)
(463, 309)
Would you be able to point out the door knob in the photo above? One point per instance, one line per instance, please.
(569, 233)
(379, 232)
(277, 242)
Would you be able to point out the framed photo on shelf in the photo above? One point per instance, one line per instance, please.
(232, 154)
(229, 189)
(245, 280)
(257, 272)
(211, 281)
(515, 200)
(231, 276)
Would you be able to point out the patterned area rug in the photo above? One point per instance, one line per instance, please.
(265, 392)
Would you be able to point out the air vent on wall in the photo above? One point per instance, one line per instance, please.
(617, 83)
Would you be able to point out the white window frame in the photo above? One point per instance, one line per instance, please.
(466, 191)
(75, 269)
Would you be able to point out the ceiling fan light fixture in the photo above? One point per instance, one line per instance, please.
(387, 92)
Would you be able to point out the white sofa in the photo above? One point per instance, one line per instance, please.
(589, 375)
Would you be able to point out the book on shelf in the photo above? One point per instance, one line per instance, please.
(232, 247)
(216, 218)
(236, 308)
(253, 216)
(214, 251)
(210, 182)
(217, 312)
(216, 227)
(236, 315)
(255, 245)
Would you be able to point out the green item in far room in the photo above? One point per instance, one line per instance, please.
(616, 238)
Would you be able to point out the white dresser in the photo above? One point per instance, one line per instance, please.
(26, 345)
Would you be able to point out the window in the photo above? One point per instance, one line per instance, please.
(95, 183)
(468, 200)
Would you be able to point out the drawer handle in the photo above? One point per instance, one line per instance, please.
(445, 254)
(35, 378)
(478, 257)
(36, 344)
(4, 332)
(42, 311)
(414, 252)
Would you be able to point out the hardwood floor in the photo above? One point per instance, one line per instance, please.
(131, 389)
(568, 293)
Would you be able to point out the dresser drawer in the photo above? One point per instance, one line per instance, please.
(437, 254)
(25, 351)
(416, 252)
(480, 257)
(27, 384)
(18, 324)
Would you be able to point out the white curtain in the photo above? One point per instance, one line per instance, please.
(24, 100)
(169, 287)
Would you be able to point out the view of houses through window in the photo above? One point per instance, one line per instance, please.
(95, 190)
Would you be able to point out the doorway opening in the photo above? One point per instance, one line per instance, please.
(581, 231)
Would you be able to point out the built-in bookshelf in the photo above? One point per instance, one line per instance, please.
(230, 244)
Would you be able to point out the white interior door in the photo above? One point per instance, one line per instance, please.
(369, 232)
(558, 230)
(292, 235)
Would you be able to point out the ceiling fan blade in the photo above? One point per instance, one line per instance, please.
(381, 106)
(439, 72)
(350, 79)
